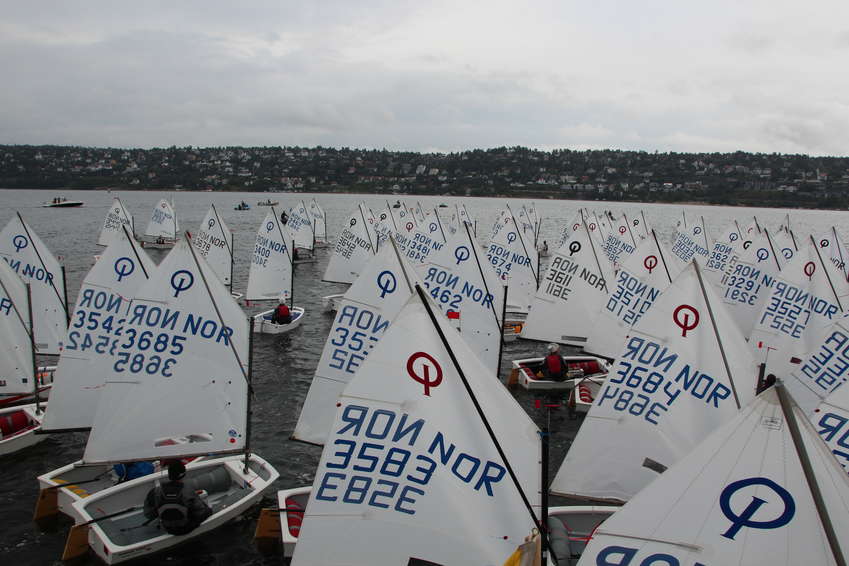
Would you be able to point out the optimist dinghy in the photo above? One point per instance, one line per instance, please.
(19, 424)
(528, 372)
(271, 277)
(87, 359)
(199, 392)
(162, 228)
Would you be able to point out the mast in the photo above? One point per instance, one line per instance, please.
(810, 477)
(425, 302)
(249, 393)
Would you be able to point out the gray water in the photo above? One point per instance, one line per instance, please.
(283, 365)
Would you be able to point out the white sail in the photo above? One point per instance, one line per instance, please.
(466, 217)
(730, 234)
(570, 228)
(571, 293)
(301, 227)
(180, 371)
(637, 285)
(748, 277)
(354, 247)
(163, 221)
(319, 220)
(27, 255)
(514, 258)
(743, 496)
(95, 334)
(784, 245)
(810, 292)
(16, 360)
(463, 284)
(419, 244)
(684, 370)
(363, 316)
(116, 218)
(409, 470)
(819, 377)
(214, 241)
(692, 241)
(832, 247)
(270, 277)
(619, 243)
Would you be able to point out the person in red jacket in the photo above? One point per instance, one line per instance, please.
(553, 367)
(282, 315)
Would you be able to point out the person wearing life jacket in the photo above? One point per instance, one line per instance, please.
(282, 314)
(553, 367)
(177, 506)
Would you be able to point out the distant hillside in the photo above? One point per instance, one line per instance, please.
(716, 178)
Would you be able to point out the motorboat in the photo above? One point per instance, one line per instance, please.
(61, 202)
(528, 372)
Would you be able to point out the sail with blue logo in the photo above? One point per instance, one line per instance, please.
(116, 218)
(26, 254)
(571, 292)
(646, 273)
(214, 241)
(620, 242)
(355, 246)
(364, 315)
(515, 259)
(684, 370)
(762, 490)
(809, 293)
(270, 276)
(96, 333)
(421, 242)
(301, 226)
(463, 284)
(745, 285)
(177, 385)
(17, 360)
(163, 221)
(692, 241)
(409, 473)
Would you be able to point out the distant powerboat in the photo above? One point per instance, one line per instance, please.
(242, 206)
(268, 202)
(61, 202)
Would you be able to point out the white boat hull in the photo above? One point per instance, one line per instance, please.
(129, 536)
(45, 384)
(263, 324)
(166, 245)
(291, 503)
(71, 493)
(18, 427)
(527, 372)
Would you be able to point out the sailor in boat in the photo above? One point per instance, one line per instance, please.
(553, 367)
(177, 506)
(160, 240)
(544, 246)
(282, 314)
(284, 218)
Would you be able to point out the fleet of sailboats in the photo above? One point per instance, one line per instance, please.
(715, 423)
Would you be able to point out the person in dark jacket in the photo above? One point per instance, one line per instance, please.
(177, 506)
(553, 367)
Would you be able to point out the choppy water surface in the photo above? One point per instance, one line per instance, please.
(283, 365)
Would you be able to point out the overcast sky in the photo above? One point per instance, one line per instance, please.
(674, 75)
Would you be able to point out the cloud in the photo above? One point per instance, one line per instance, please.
(414, 75)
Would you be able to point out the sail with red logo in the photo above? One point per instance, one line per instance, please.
(410, 473)
(683, 370)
